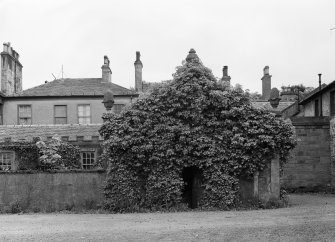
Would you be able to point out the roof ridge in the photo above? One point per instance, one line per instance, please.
(74, 87)
(47, 125)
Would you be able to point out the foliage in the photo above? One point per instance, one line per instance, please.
(58, 154)
(70, 156)
(253, 95)
(54, 154)
(295, 89)
(49, 151)
(26, 153)
(191, 121)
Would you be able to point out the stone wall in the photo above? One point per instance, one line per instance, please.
(332, 151)
(43, 191)
(309, 165)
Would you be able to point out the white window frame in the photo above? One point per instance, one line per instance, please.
(90, 165)
(8, 165)
(24, 117)
(65, 117)
(89, 117)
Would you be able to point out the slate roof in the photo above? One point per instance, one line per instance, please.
(267, 106)
(74, 87)
(86, 132)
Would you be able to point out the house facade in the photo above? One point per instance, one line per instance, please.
(71, 108)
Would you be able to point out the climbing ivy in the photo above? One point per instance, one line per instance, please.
(26, 153)
(192, 121)
(40, 155)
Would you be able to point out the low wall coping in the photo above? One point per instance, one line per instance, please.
(52, 171)
(310, 121)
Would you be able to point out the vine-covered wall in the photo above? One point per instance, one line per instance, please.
(191, 135)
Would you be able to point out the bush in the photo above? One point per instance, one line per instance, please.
(15, 207)
(56, 154)
(192, 121)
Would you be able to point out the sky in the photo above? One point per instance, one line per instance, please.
(293, 37)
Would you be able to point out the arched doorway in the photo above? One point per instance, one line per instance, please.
(192, 186)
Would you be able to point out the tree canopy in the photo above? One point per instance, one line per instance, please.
(191, 121)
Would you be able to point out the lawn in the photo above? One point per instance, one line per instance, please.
(309, 218)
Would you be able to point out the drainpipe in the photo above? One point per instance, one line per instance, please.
(298, 99)
(320, 98)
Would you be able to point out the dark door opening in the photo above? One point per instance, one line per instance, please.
(192, 186)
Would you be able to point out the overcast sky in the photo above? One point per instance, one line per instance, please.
(292, 37)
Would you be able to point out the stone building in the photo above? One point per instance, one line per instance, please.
(71, 107)
(311, 167)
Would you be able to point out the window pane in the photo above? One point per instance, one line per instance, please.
(84, 114)
(25, 121)
(6, 159)
(87, 160)
(60, 120)
(80, 110)
(88, 110)
(60, 111)
(84, 120)
(24, 111)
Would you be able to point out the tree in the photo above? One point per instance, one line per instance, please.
(192, 121)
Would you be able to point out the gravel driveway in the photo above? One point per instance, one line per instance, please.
(310, 218)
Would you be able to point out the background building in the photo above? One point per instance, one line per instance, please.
(71, 108)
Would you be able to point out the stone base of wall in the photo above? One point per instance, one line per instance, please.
(47, 192)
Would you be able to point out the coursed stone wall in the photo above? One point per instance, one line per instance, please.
(309, 167)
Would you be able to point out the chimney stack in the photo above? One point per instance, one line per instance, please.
(11, 73)
(138, 73)
(266, 83)
(106, 71)
(225, 78)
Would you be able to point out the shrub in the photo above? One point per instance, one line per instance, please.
(192, 121)
(56, 154)
(15, 207)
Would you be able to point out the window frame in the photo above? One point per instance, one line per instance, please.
(18, 114)
(11, 162)
(88, 150)
(66, 111)
(90, 116)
